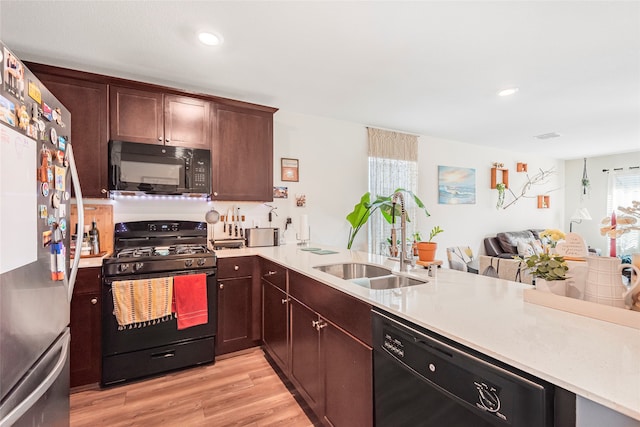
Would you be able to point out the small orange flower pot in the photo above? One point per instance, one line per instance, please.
(427, 251)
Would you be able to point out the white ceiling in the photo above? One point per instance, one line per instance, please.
(430, 68)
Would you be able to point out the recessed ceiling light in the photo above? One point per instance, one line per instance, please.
(549, 135)
(210, 39)
(507, 92)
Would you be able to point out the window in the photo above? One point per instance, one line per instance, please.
(393, 164)
(624, 188)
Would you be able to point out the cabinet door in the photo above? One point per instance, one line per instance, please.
(187, 122)
(242, 154)
(135, 115)
(348, 374)
(234, 315)
(274, 323)
(305, 354)
(85, 324)
(87, 102)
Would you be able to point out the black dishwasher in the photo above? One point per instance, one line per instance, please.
(421, 379)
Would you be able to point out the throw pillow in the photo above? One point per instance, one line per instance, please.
(525, 249)
(537, 247)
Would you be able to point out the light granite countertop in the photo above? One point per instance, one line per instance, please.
(597, 360)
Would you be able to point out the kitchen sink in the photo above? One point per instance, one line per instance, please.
(369, 276)
(354, 270)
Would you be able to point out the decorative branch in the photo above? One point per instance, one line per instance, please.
(540, 178)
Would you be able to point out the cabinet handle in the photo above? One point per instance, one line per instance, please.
(321, 325)
(285, 300)
(270, 273)
(94, 301)
(167, 140)
(215, 193)
(103, 191)
(236, 268)
(159, 138)
(221, 286)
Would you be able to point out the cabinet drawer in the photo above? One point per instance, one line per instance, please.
(351, 314)
(235, 267)
(274, 274)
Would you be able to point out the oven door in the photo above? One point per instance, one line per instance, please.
(127, 340)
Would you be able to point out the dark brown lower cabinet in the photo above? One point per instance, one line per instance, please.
(234, 315)
(275, 305)
(331, 369)
(305, 364)
(86, 327)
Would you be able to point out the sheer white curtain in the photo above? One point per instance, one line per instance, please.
(393, 163)
(624, 188)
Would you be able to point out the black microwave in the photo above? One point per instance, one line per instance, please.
(158, 169)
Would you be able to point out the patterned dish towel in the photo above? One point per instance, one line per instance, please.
(142, 302)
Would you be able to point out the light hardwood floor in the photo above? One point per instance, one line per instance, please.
(241, 390)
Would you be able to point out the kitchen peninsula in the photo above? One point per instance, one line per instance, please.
(596, 360)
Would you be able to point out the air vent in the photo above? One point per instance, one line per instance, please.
(548, 135)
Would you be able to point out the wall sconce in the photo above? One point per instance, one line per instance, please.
(578, 216)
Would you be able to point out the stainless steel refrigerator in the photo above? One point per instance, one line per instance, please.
(36, 273)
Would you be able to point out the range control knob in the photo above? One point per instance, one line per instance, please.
(188, 262)
(137, 266)
(488, 397)
(201, 262)
(123, 267)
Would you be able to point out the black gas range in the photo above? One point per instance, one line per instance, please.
(145, 247)
(145, 250)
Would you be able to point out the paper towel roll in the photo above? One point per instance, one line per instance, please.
(304, 228)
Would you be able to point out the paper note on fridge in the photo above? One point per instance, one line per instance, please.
(18, 200)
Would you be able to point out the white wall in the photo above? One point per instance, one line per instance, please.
(596, 200)
(333, 176)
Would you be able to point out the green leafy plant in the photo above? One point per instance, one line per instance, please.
(501, 188)
(434, 232)
(546, 266)
(363, 210)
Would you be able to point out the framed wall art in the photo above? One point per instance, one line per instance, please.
(289, 169)
(456, 186)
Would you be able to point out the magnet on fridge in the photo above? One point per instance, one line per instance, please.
(49, 175)
(51, 220)
(62, 143)
(60, 156)
(34, 92)
(44, 165)
(46, 238)
(55, 200)
(23, 117)
(47, 113)
(62, 210)
(44, 189)
(57, 115)
(67, 195)
(43, 211)
(62, 224)
(53, 135)
(60, 178)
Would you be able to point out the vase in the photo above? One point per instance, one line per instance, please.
(557, 287)
(604, 282)
(427, 251)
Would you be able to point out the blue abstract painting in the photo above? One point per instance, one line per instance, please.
(456, 186)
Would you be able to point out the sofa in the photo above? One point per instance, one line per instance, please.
(500, 252)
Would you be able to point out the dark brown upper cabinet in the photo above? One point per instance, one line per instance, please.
(242, 154)
(85, 96)
(149, 117)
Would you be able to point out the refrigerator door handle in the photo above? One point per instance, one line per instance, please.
(80, 206)
(37, 393)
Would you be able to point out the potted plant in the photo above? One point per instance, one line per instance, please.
(427, 250)
(550, 272)
(363, 210)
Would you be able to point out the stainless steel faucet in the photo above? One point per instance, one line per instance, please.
(404, 259)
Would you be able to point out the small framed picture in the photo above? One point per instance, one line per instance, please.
(289, 169)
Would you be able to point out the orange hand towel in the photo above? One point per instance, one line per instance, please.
(190, 292)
